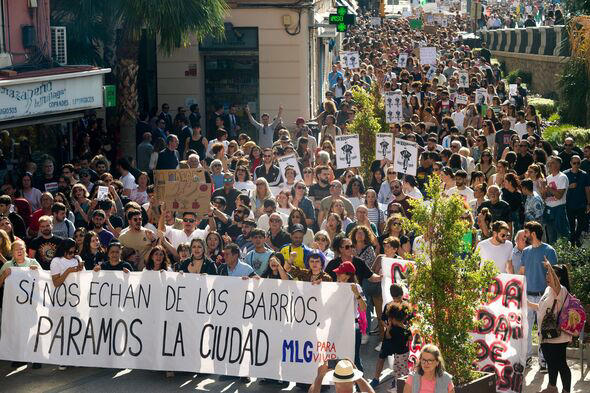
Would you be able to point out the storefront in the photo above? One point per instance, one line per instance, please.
(40, 109)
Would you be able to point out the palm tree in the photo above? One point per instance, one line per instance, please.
(108, 32)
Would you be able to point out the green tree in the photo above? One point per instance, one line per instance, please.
(367, 125)
(447, 283)
(109, 34)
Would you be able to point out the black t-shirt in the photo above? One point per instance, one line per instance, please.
(318, 192)
(514, 199)
(45, 249)
(119, 266)
(522, 163)
(502, 139)
(500, 211)
(208, 266)
(230, 198)
(91, 260)
(280, 240)
(362, 270)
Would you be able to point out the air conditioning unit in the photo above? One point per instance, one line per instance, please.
(59, 49)
(5, 59)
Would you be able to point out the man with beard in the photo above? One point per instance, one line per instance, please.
(43, 247)
(98, 221)
(137, 237)
(244, 241)
(297, 246)
(184, 235)
(500, 209)
(461, 186)
(62, 227)
(235, 228)
(400, 197)
(497, 248)
(228, 192)
(321, 188)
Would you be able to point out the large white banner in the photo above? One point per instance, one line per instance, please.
(179, 322)
(348, 152)
(406, 157)
(502, 338)
(61, 95)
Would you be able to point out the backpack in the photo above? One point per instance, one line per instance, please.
(572, 316)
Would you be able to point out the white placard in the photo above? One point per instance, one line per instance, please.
(102, 193)
(513, 89)
(406, 157)
(384, 146)
(348, 152)
(375, 21)
(177, 322)
(353, 60)
(289, 161)
(344, 58)
(52, 96)
(428, 55)
(402, 60)
(430, 73)
(461, 99)
(393, 107)
(463, 79)
(481, 96)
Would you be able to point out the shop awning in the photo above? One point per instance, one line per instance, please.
(47, 120)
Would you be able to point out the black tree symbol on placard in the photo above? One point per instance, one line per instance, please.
(396, 100)
(406, 159)
(389, 101)
(384, 145)
(347, 149)
(389, 114)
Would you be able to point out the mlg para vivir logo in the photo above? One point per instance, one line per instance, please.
(295, 351)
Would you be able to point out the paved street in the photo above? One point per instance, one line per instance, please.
(79, 380)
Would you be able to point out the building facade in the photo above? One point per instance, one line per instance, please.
(276, 53)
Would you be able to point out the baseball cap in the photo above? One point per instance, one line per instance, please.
(297, 228)
(345, 268)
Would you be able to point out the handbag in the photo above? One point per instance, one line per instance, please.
(549, 325)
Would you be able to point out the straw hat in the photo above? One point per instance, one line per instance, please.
(344, 372)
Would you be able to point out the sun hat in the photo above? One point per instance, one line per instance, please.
(344, 372)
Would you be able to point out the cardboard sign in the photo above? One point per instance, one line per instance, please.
(289, 161)
(463, 79)
(177, 322)
(183, 190)
(344, 58)
(428, 55)
(348, 152)
(406, 157)
(393, 107)
(384, 146)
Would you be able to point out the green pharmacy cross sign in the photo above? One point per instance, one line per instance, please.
(342, 19)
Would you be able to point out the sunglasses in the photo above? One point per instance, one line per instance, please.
(228, 180)
(274, 220)
(347, 246)
(576, 163)
(267, 156)
(321, 239)
(300, 187)
(191, 220)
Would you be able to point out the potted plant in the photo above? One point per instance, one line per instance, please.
(448, 283)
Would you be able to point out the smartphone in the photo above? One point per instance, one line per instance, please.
(332, 363)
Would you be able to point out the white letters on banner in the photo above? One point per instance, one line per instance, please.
(406, 157)
(463, 79)
(402, 60)
(168, 321)
(384, 147)
(502, 339)
(428, 55)
(348, 152)
(289, 161)
(393, 107)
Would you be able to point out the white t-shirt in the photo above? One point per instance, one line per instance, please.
(128, 181)
(466, 194)
(520, 129)
(178, 236)
(557, 182)
(60, 264)
(458, 118)
(499, 254)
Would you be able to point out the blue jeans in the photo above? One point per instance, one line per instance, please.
(531, 316)
(357, 349)
(556, 223)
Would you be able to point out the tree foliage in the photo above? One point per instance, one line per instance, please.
(366, 124)
(447, 284)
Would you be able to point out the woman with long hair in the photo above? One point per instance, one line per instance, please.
(512, 195)
(502, 168)
(159, 145)
(198, 262)
(283, 204)
(296, 216)
(276, 267)
(30, 193)
(81, 205)
(255, 157)
(333, 226)
(489, 131)
(300, 200)
(261, 194)
(484, 222)
(377, 178)
(374, 213)
(355, 191)
(214, 250)
(242, 180)
(322, 242)
(5, 247)
(157, 259)
(92, 252)
(337, 207)
(430, 373)
(534, 173)
(486, 164)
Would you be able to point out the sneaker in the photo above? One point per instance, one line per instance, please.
(245, 380)
(62, 368)
(374, 383)
(529, 361)
(364, 339)
(543, 369)
(378, 347)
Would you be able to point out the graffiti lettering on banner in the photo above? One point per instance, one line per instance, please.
(183, 190)
(502, 338)
(393, 107)
(406, 157)
(384, 147)
(348, 152)
(168, 321)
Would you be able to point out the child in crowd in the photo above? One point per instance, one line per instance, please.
(396, 317)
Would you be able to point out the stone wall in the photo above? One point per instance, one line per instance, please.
(544, 69)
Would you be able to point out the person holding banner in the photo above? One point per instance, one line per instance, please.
(198, 262)
(114, 261)
(19, 259)
(314, 274)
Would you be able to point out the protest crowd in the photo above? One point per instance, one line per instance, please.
(313, 221)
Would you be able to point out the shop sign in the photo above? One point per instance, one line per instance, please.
(50, 97)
